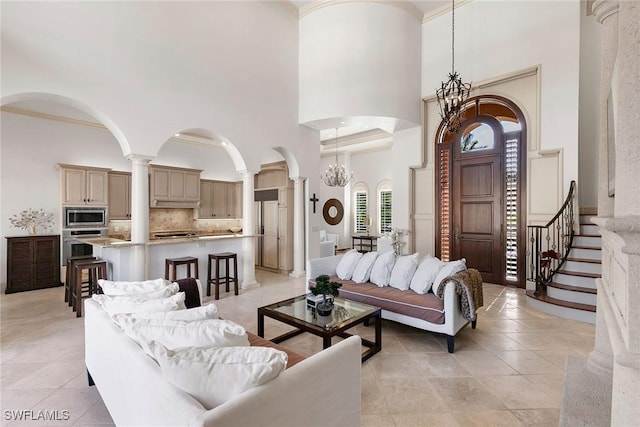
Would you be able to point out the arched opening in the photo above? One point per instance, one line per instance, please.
(480, 190)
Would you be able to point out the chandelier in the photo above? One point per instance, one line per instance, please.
(336, 175)
(453, 93)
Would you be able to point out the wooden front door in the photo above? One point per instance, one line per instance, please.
(477, 197)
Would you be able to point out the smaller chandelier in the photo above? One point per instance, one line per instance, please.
(454, 92)
(336, 175)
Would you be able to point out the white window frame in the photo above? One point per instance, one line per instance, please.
(359, 227)
(384, 186)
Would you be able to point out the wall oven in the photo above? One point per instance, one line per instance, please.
(73, 247)
(81, 217)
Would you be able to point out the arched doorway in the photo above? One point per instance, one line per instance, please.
(480, 190)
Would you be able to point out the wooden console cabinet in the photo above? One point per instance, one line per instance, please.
(33, 262)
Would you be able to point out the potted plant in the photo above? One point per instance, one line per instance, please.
(325, 287)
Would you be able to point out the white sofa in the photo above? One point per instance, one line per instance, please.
(321, 390)
(453, 317)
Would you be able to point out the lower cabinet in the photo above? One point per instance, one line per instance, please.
(33, 262)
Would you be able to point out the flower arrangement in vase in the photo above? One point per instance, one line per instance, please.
(325, 287)
(32, 219)
(397, 239)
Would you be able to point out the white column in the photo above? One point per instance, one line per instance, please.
(298, 227)
(248, 229)
(139, 214)
(346, 203)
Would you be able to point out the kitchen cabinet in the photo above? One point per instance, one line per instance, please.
(119, 195)
(82, 185)
(218, 200)
(172, 187)
(33, 262)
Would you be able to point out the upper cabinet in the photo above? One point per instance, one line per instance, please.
(119, 195)
(218, 200)
(174, 187)
(82, 185)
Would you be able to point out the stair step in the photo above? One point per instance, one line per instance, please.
(587, 260)
(586, 253)
(572, 280)
(587, 240)
(582, 267)
(567, 310)
(572, 288)
(580, 274)
(591, 248)
(572, 294)
(589, 229)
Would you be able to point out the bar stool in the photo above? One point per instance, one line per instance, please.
(217, 280)
(96, 269)
(69, 277)
(175, 262)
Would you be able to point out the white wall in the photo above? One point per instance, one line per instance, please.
(589, 112)
(496, 38)
(360, 59)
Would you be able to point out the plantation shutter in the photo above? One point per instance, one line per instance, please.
(385, 211)
(361, 212)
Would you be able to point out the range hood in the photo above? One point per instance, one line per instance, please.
(174, 204)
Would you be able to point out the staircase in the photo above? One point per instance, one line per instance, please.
(572, 292)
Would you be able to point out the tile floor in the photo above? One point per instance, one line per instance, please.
(507, 372)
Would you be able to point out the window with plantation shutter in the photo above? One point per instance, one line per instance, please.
(360, 210)
(384, 223)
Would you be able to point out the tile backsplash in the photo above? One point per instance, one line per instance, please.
(171, 219)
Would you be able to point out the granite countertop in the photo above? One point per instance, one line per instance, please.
(110, 242)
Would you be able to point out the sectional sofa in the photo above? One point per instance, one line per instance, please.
(320, 390)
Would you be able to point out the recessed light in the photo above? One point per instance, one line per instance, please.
(176, 134)
(224, 143)
(343, 123)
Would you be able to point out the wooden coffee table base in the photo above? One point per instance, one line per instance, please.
(326, 334)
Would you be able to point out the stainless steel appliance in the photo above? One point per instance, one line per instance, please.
(81, 217)
(73, 247)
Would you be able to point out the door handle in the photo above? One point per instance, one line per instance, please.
(456, 233)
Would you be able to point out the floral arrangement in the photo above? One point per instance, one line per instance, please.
(32, 219)
(397, 239)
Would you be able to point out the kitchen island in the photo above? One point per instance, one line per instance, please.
(120, 253)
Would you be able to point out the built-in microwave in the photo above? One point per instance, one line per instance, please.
(80, 217)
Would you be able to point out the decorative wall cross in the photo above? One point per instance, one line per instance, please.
(314, 199)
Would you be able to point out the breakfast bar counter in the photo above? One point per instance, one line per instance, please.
(120, 254)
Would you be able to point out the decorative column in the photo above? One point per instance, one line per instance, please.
(298, 227)
(139, 215)
(248, 229)
(348, 213)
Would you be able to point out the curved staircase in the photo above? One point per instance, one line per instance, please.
(572, 291)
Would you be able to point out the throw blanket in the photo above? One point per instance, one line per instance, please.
(469, 287)
(190, 288)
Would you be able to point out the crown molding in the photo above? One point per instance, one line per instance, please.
(321, 4)
(39, 115)
(210, 145)
(387, 145)
(357, 138)
(443, 10)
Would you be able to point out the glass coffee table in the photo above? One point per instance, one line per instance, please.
(345, 314)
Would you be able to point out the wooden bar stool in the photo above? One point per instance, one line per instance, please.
(227, 278)
(95, 270)
(175, 262)
(69, 276)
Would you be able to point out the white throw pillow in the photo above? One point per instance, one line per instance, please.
(176, 333)
(125, 288)
(449, 269)
(403, 271)
(124, 304)
(363, 269)
(165, 292)
(425, 274)
(347, 264)
(382, 268)
(204, 312)
(214, 375)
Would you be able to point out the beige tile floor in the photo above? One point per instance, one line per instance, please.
(507, 372)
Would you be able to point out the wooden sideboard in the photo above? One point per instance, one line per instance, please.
(33, 262)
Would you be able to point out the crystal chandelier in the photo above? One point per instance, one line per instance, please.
(336, 175)
(453, 93)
